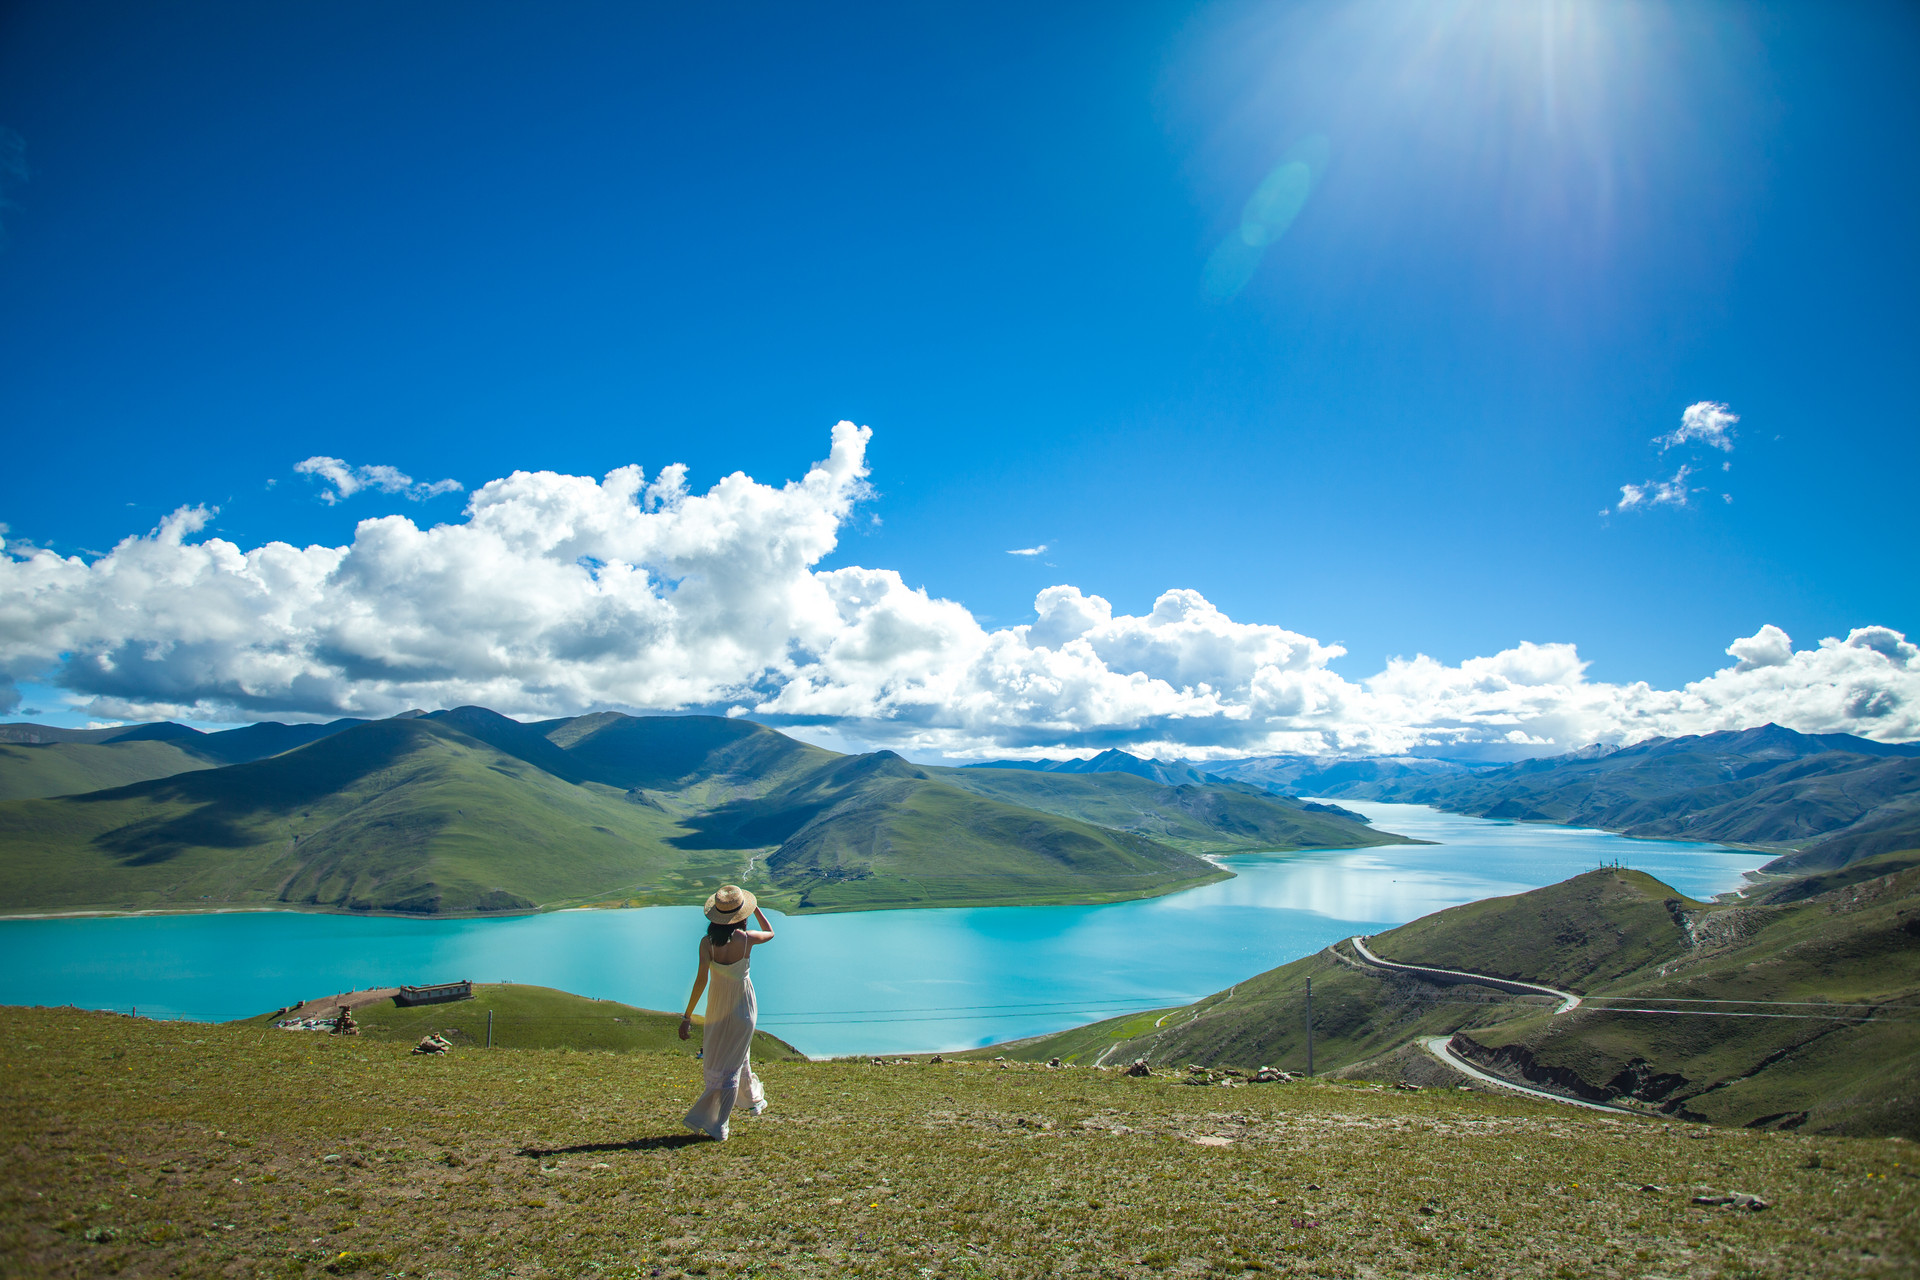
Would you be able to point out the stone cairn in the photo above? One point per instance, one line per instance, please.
(343, 1023)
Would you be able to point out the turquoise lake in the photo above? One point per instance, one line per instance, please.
(864, 982)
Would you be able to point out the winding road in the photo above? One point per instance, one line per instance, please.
(1440, 1046)
(1568, 1000)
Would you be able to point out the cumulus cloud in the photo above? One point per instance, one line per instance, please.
(1767, 647)
(557, 594)
(342, 481)
(1030, 551)
(1705, 423)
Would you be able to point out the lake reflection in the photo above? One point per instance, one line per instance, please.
(861, 982)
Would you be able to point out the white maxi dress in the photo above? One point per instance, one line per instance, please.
(726, 1046)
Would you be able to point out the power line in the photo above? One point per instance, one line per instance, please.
(1810, 1004)
(1729, 1013)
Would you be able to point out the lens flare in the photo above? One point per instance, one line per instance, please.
(1269, 211)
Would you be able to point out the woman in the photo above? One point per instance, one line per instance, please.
(731, 1011)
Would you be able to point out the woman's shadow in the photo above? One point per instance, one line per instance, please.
(665, 1142)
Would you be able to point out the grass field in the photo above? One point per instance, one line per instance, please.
(150, 1149)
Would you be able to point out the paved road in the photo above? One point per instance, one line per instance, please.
(1438, 1047)
(1568, 1000)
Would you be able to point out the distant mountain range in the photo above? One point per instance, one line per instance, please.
(1824, 800)
(469, 811)
(1112, 760)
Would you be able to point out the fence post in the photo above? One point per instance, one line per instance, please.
(489, 1028)
(1309, 1026)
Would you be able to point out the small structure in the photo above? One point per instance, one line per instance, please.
(438, 993)
(343, 1023)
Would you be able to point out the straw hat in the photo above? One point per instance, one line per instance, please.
(730, 904)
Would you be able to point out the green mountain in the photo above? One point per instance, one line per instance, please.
(469, 811)
(37, 760)
(875, 831)
(160, 731)
(1112, 760)
(701, 759)
(401, 815)
(28, 770)
(1220, 817)
(1823, 799)
(1682, 1011)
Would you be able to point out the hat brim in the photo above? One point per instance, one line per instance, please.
(746, 908)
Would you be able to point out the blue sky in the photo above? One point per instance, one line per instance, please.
(466, 240)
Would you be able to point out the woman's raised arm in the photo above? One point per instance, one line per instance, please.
(764, 933)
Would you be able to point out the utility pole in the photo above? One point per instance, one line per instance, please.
(1309, 1026)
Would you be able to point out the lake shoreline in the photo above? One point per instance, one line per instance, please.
(951, 904)
(961, 977)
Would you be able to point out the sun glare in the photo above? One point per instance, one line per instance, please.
(1536, 121)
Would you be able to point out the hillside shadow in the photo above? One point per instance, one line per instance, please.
(663, 1142)
(225, 801)
(746, 824)
(143, 844)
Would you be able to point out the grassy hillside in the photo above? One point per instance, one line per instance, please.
(468, 811)
(403, 815)
(1577, 935)
(1847, 1060)
(876, 831)
(37, 760)
(158, 731)
(528, 1017)
(1230, 818)
(703, 760)
(1262, 1022)
(1626, 942)
(29, 772)
(142, 1149)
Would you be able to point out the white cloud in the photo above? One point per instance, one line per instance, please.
(557, 594)
(345, 480)
(1030, 551)
(1656, 493)
(1707, 423)
(1767, 647)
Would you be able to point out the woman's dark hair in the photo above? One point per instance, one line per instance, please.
(720, 934)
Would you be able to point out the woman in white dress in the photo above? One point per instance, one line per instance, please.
(727, 1041)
